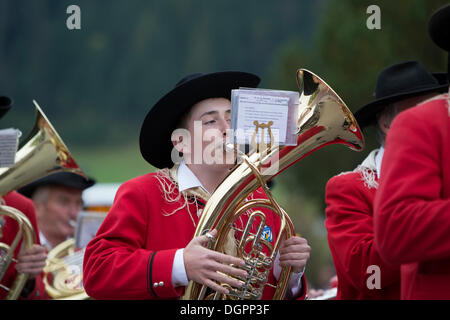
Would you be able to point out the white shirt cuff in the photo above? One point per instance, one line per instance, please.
(179, 276)
(295, 281)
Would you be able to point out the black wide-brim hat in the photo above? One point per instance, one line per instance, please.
(156, 131)
(65, 179)
(397, 82)
(439, 27)
(5, 105)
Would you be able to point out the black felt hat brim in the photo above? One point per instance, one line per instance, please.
(65, 179)
(156, 131)
(366, 115)
(5, 105)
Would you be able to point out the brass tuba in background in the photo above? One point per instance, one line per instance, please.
(323, 119)
(41, 154)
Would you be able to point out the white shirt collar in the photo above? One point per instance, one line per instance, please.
(378, 160)
(186, 178)
(44, 242)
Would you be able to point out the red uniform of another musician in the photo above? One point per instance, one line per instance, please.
(349, 225)
(412, 207)
(350, 196)
(34, 289)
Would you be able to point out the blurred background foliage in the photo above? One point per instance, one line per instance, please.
(97, 84)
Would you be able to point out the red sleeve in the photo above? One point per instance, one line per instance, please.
(349, 224)
(117, 263)
(25, 205)
(412, 220)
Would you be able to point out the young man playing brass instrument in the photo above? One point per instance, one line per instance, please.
(145, 247)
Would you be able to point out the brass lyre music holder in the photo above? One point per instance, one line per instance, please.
(261, 147)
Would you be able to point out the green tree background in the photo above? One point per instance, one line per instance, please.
(96, 84)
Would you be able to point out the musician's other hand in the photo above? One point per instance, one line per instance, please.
(31, 261)
(208, 267)
(314, 293)
(294, 252)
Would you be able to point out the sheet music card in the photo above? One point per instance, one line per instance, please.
(276, 109)
(9, 140)
(88, 223)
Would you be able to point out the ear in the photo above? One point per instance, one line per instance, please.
(38, 207)
(178, 144)
(181, 140)
(384, 124)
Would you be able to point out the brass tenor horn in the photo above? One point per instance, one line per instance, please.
(63, 276)
(323, 119)
(41, 154)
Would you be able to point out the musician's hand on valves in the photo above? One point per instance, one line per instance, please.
(294, 252)
(207, 267)
(31, 261)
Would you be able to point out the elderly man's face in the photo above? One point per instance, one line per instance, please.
(59, 213)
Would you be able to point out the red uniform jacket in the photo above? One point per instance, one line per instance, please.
(131, 257)
(412, 207)
(25, 205)
(349, 223)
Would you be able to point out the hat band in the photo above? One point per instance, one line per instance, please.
(408, 90)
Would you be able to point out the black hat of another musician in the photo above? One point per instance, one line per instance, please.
(64, 179)
(5, 104)
(397, 82)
